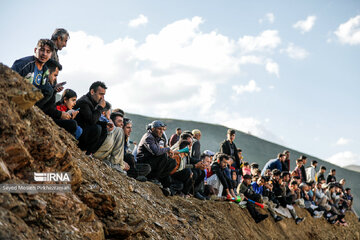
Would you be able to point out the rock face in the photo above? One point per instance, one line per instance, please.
(104, 204)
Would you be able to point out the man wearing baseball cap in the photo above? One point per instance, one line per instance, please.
(149, 151)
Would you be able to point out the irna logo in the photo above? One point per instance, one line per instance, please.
(52, 177)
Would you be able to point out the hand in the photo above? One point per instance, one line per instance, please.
(58, 87)
(200, 165)
(73, 113)
(110, 126)
(102, 103)
(127, 167)
(65, 116)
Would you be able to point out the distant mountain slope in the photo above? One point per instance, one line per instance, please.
(355, 168)
(254, 149)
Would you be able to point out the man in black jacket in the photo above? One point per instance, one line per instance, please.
(90, 108)
(228, 147)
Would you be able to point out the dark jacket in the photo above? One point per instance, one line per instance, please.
(89, 112)
(195, 150)
(221, 174)
(26, 67)
(149, 147)
(303, 174)
(225, 147)
(49, 107)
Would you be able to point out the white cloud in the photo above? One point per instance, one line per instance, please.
(250, 87)
(269, 17)
(349, 32)
(305, 25)
(345, 158)
(295, 52)
(140, 20)
(342, 141)
(175, 73)
(266, 41)
(272, 67)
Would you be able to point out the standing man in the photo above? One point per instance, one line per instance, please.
(228, 147)
(311, 172)
(175, 137)
(60, 38)
(195, 150)
(286, 163)
(303, 172)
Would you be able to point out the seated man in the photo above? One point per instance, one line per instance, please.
(111, 150)
(149, 152)
(246, 189)
(219, 180)
(34, 69)
(137, 170)
(90, 108)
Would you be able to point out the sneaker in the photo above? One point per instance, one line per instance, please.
(199, 196)
(119, 169)
(166, 191)
(299, 220)
(278, 218)
(261, 217)
(141, 178)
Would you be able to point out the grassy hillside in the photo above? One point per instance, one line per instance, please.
(254, 149)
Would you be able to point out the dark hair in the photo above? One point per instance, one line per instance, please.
(183, 144)
(246, 164)
(178, 129)
(203, 156)
(96, 85)
(113, 116)
(120, 111)
(222, 156)
(107, 106)
(187, 132)
(347, 189)
(185, 136)
(52, 65)
(59, 32)
(231, 131)
(323, 167)
(48, 42)
(68, 93)
(126, 121)
(303, 157)
(314, 162)
(333, 170)
(281, 155)
(286, 151)
(254, 165)
(276, 172)
(299, 160)
(239, 150)
(284, 173)
(294, 182)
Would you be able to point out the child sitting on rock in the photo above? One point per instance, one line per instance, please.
(66, 104)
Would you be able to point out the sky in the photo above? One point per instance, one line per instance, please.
(285, 71)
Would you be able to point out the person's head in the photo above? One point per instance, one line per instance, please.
(206, 160)
(276, 174)
(54, 68)
(43, 50)
(299, 162)
(247, 179)
(230, 161)
(197, 134)
(157, 128)
(348, 190)
(304, 158)
(314, 163)
(68, 98)
(97, 91)
(117, 118)
(285, 176)
(254, 166)
(333, 172)
(287, 154)
(186, 136)
(246, 165)
(261, 181)
(60, 38)
(239, 151)
(178, 131)
(293, 185)
(342, 182)
(107, 110)
(223, 159)
(231, 135)
(281, 156)
(304, 187)
(127, 127)
(233, 175)
(184, 144)
(331, 188)
(323, 169)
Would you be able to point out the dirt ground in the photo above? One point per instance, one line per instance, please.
(104, 204)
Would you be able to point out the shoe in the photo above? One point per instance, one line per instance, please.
(118, 168)
(278, 218)
(157, 182)
(299, 220)
(141, 178)
(261, 217)
(166, 191)
(199, 196)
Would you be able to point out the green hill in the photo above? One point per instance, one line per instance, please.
(254, 149)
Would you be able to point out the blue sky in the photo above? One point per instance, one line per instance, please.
(286, 71)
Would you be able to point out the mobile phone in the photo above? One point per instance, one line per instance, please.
(77, 109)
(62, 83)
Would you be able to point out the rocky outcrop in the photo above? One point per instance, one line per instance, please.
(103, 204)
